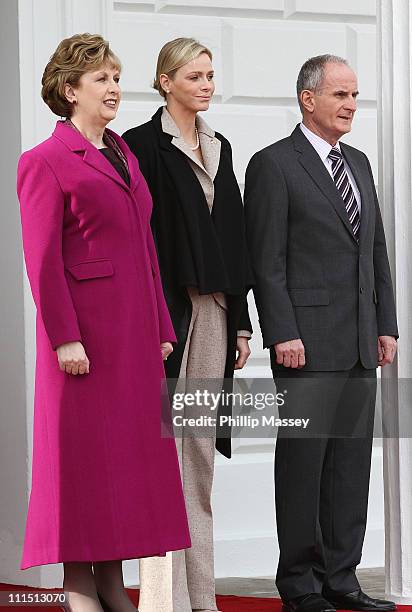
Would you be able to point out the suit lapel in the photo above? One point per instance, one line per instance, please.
(92, 156)
(211, 153)
(186, 150)
(314, 166)
(211, 147)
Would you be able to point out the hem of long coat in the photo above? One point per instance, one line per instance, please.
(52, 557)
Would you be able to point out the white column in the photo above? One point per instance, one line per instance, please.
(13, 436)
(395, 152)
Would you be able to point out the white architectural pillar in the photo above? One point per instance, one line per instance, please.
(395, 179)
(13, 431)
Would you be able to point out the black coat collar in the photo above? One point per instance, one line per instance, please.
(165, 140)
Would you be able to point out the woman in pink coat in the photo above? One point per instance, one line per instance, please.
(106, 485)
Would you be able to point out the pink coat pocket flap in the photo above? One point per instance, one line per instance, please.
(97, 268)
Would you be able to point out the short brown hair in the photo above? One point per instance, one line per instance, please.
(73, 57)
(175, 54)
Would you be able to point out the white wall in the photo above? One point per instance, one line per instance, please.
(13, 440)
(258, 46)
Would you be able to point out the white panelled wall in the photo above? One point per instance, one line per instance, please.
(258, 47)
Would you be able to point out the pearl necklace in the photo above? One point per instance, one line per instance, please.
(197, 145)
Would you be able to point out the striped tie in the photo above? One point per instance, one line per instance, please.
(340, 176)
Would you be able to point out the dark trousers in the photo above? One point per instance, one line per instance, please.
(322, 478)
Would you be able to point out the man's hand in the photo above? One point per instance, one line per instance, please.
(243, 351)
(290, 354)
(387, 346)
(166, 349)
(72, 358)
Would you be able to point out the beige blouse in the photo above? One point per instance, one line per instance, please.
(205, 173)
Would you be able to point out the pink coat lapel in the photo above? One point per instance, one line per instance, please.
(92, 156)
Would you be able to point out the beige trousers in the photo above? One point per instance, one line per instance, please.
(184, 580)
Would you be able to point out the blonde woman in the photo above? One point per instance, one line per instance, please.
(198, 227)
(106, 487)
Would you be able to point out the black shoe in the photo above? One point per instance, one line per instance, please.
(313, 602)
(357, 600)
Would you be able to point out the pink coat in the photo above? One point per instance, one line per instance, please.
(106, 485)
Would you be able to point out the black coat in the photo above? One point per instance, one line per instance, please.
(195, 248)
(314, 281)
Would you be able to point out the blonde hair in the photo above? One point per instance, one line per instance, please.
(73, 57)
(175, 54)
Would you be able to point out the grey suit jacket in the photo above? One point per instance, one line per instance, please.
(314, 281)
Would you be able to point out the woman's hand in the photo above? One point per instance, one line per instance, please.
(72, 358)
(166, 348)
(243, 352)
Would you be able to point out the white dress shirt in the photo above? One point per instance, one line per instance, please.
(323, 148)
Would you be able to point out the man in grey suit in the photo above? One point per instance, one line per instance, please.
(326, 308)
